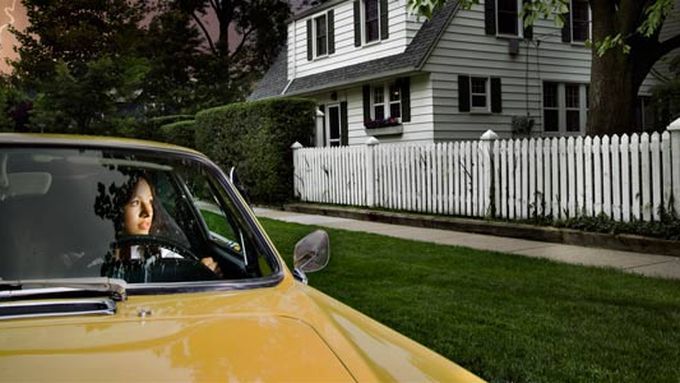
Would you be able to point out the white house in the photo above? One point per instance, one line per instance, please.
(376, 70)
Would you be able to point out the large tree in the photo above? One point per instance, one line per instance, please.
(78, 59)
(626, 44)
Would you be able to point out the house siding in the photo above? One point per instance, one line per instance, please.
(419, 129)
(465, 49)
(402, 28)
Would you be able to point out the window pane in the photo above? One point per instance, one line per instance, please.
(379, 112)
(572, 95)
(479, 85)
(507, 17)
(550, 95)
(371, 14)
(573, 121)
(395, 109)
(580, 24)
(550, 120)
(395, 93)
(478, 101)
(321, 40)
(378, 95)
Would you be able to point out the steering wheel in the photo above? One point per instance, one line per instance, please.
(152, 240)
(188, 267)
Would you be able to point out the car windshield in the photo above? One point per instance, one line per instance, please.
(140, 216)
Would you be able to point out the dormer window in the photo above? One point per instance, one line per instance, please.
(320, 35)
(370, 21)
(371, 12)
(508, 17)
(576, 27)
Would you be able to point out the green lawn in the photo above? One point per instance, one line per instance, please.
(505, 317)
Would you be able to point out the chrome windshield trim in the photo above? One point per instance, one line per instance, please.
(198, 286)
(108, 307)
(115, 287)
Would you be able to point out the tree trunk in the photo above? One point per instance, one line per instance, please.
(613, 93)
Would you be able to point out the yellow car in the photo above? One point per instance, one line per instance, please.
(124, 260)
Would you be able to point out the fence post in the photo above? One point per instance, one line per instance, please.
(674, 129)
(371, 142)
(297, 172)
(489, 171)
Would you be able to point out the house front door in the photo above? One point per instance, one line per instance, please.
(333, 125)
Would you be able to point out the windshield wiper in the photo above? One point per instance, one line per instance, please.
(38, 288)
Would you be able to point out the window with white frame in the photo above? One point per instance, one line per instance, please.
(565, 107)
(386, 101)
(372, 20)
(321, 35)
(378, 102)
(580, 20)
(507, 17)
(479, 93)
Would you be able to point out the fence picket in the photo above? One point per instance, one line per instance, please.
(667, 173)
(540, 187)
(606, 178)
(571, 178)
(502, 207)
(563, 177)
(518, 179)
(645, 178)
(635, 175)
(625, 178)
(555, 176)
(532, 178)
(512, 177)
(588, 164)
(547, 171)
(580, 187)
(597, 176)
(456, 179)
(616, 178)
(655, 152)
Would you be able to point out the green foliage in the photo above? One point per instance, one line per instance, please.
(150, 129)
(256, 138)
(668, 227)
(180, 133)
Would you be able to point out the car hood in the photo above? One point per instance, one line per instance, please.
(287, 333)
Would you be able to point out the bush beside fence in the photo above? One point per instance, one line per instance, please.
(255, 137)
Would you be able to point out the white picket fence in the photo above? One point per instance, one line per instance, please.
(625, 177)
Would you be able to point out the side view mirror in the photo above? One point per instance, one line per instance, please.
(311, 254)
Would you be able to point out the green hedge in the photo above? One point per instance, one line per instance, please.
(179, 133)
(256, 138)
(150, 129)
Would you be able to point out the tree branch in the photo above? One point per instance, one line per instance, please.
(205, 32)
(243, 40)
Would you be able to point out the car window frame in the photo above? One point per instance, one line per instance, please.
(261, 240)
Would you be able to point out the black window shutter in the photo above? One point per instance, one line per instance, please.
(357, 23)
(566, 29)
(490, 17)
(405, 85)
(464, 93)
(384, 20)
(528, 30)
(310, 51)
(367, 103)
(331, 32)
(496, 95)
(344, 139)
(322, 109)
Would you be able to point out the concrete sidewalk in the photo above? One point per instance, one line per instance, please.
(647, 264)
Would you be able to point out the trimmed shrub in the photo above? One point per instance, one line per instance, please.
(150, 129)
(256, 138)
(180, 133)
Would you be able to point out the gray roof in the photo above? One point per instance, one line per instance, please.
(274, 82)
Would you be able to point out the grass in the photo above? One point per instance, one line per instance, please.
(506, 318)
